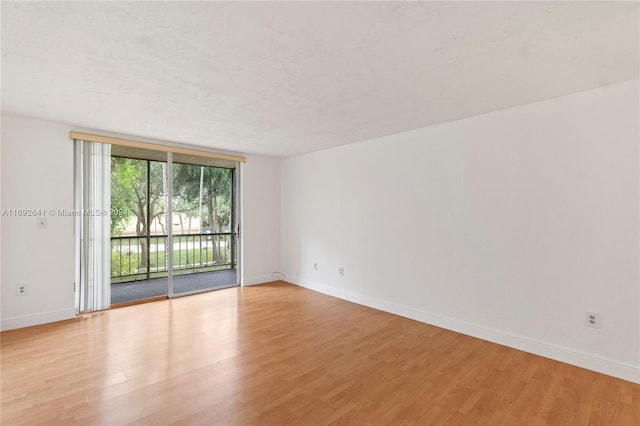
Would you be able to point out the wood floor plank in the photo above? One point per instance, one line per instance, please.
(279, 354)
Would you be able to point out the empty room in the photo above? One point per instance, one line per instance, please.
(313, 213)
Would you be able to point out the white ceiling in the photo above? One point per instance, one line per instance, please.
(284, 78)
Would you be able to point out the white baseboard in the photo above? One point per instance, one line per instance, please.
(259, 279)
(37, 319)
(605, 366)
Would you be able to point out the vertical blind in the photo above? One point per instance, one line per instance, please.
(93, 226)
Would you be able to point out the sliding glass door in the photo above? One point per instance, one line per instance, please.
(151, 221)
(175, 235)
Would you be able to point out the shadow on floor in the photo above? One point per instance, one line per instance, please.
(136, 290)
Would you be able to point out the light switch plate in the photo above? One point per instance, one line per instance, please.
(41, 223)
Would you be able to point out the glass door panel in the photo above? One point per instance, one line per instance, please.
(203, 228)
(138, 225)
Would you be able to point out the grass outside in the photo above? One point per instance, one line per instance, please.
(124, 266)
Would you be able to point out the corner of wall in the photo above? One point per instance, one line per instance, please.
(506, 226)
(260, 222)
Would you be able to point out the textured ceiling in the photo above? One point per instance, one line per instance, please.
(284, 78)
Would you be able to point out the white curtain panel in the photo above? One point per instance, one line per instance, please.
(93, 225)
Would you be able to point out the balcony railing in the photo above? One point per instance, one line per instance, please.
(139, 258)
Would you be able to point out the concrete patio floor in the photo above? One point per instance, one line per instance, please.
(136, 290)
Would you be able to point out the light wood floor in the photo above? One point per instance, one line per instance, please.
(278, 354)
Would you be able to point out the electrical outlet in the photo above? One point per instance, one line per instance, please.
(315, 266)
(593, 320)
(341, 271)
(21, 290)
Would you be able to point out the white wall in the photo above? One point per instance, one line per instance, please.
(507, 226)
(260, 225)
(37, 172)
(1, 225)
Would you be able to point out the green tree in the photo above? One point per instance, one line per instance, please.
(216, 194)
(123, 172)
(129, 194)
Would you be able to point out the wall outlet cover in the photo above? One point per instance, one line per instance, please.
(593, 319)
(21, 290)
